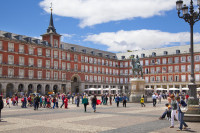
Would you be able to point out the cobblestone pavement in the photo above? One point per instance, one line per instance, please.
(107, 119)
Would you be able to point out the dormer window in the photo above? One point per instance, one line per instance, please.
(28, 39)
(100, 54)
(178, 51)
(55, 43)
(84, 50)
(165, 53)
(73, 48)
(19, 37)
(154, 54)
(123, 57)
(142, 55)
(92, 53)
(8, 35)
(114, 57)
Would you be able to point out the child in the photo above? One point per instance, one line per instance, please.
(142, 102)
(7, 102)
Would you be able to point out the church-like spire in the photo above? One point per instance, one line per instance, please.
(51, 28)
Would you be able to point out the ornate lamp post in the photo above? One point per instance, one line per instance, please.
(190, 17)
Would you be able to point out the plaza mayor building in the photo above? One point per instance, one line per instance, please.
(29, 65)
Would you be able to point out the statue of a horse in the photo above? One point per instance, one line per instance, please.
(136, 67)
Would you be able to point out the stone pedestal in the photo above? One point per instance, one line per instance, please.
(137, 90)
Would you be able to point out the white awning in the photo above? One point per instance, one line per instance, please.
(160, 89)
(114, 89)
(148, 89)
(173, 89)
(185, 89)
(198, 89)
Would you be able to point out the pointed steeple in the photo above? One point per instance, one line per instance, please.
(51, 28)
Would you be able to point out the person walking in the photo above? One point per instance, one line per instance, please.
(124, 98)
(66, 102)
(54, 102)
(78, 100)
(85, 102)
(159, 98)
(8, 102)
(1, 106)
(57, 97)
(142, 102)
(174, 111)
(117, 100)
(110, 98)
(154, 99)
(181, 103)
(36, 102)
(94, 103)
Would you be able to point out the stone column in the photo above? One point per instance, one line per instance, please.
(180, 87)
(173, 85)
(117, 87)
(155, 87)
(109, 89)
(149, 86)
(123, 89)
(167, 88)
(101, 89)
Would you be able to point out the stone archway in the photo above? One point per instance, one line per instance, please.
(39, 88)
(63, 88)
(47, 89)
(9, 90)
(20, 88)
(75, 84)
(55, 89)
(30, 89)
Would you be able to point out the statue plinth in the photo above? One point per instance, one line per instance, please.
(137, 90)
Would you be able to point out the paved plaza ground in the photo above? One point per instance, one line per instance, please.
(107, 119)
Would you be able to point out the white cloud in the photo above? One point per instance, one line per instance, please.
(138, 39)
(65, 36)
(92, 12)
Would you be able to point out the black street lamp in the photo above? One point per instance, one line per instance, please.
(190, 17)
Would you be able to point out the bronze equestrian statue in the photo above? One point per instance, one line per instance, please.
(136, 67)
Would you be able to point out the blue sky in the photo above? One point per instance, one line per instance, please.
(113, 25)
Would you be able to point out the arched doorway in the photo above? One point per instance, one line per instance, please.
(30, 89)
(39, 88)
(47, 89)
(55, 89)
(9, 90)
(75, 84)
(64, 88)
(20, 88)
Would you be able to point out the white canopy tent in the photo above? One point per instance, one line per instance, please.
(185, 89)
(160, 89)
(173, 89)
(148, 89)
(114, 89)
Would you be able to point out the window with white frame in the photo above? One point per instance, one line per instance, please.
(39, 62)
(141, 63)
(106, 70)
(95, 61)
(152, 79)
(189, 77)
(114, 72)
(10, 73)
(126, 72)
(183, 59)
(1, 46)
(170, 78)
(1, 58)
(158, 78)
(164, 61)
(121, 64)
(47, 52)
(176, 59)
(55, 64)
(196, 67)
(86, 78)
(170, 69)
(82, 68)
(176, 78)
(39, 50)
(68, 56)
(91, 60)
(106, 79)
(183, 68)
(30, 51)
(86, 59)
(102, 62)
(91, 69)
(47, 63)
(152, 70)
(10, 59)
(55, 75)
(130, 71)
(30, 61)
(11, 47)
(82, 59)
(55, 54)
(103, 79)
(147, 79)
(114, 64)
(125, 80)
(55, 43)
(99, 78)
(99, 61)
(95, 78)
(197, 57)
(110, 79)
(75, 67)
(63, 76)
(106, 62)
(75, 58)
(86, 68)
(21, 60)
(110, 71)
(91, 78)
(113, 79)
(110, 62)
(63, 55)
(47, 75)
(39, 74)
(121, 80)
(188, 68)
(183, 78)
(157, 61)
(95, 69)
(197, 77)
(126, 64)
(30, 74)
(164, 78)
(121, 72)
(146, 62)
(117, 80)
(103, 70)
(21, 73)
(146, 70)
(68, 66)
(21, 48)
(63, 65)
(170, 60)
(176, 68)
(157, 69)
(188, 58)
(99, 69)
(117, 72)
